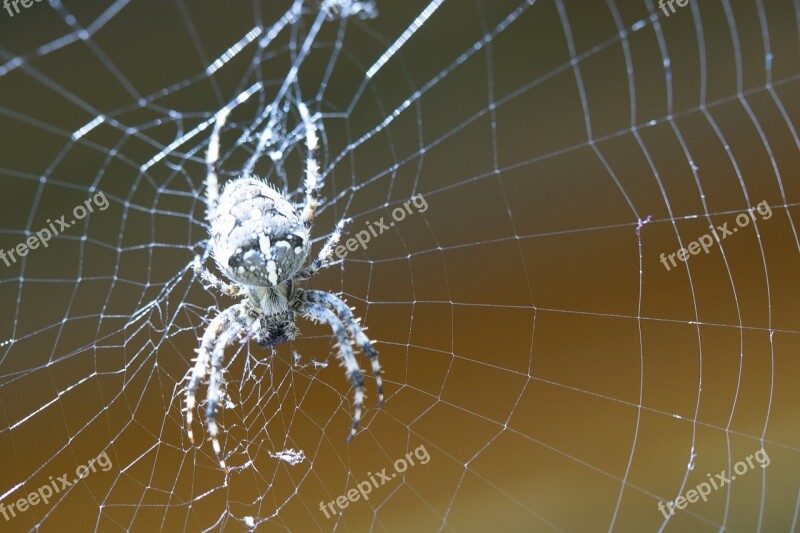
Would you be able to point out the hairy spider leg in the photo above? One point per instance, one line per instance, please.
(242, 323)
(212, 155)
(203, 360)
(324, 255)
(312, 167)
(319, 313)
(221, 333)
(356, 331)
(213, 281)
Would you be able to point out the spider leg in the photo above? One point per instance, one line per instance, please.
(212, 164)
(226, 338)
(213, 281)
(212, 155)
(210, 339)
(346, 315)
(312, 167)
(322, 314)
(324, 254)
(220, 334)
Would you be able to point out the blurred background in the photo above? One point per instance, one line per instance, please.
(558, 375)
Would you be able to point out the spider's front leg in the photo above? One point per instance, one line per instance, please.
(221, 333)
(215, 382)
(356, 331)
(319, 313)
(210, 339)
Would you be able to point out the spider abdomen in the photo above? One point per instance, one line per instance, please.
(257, 236)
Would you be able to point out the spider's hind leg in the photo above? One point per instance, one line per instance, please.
(312, 167)
(212, 164)
(212, 155)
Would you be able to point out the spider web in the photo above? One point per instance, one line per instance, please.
(558, 375)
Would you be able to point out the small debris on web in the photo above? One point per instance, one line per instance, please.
(642, 223)
(290, 456)
(226, 399)
(316, 364)
(342, 9)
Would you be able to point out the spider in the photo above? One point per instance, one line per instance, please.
(260, 241)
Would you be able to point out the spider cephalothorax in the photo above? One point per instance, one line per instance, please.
(261, 242)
